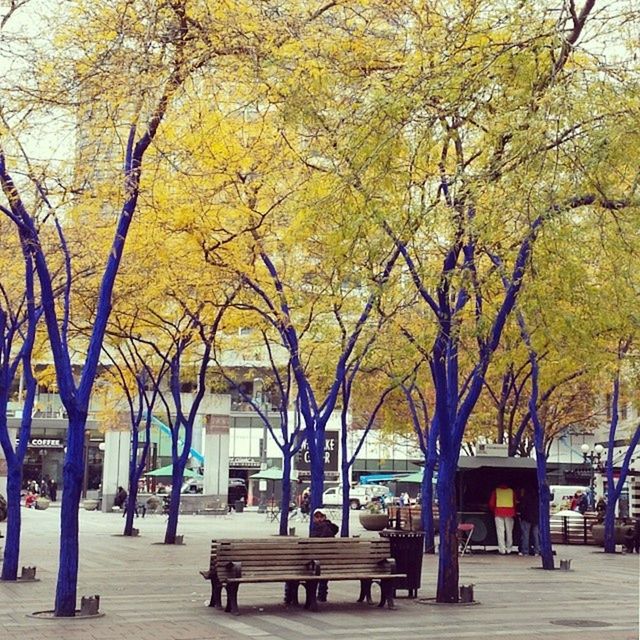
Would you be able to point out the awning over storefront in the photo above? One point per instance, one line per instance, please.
(168, 472)
(273, 473)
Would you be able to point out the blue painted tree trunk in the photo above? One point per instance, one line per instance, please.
(174, 507)
(426, 489)
(316, 458)
(73, 469)
(286, 494)
(12, 542)
(135, 472)
(610, 526)
(544, 495)
(448, 570)
(614, 489)
(426, 506)
(12, 326)
(15, 461)
(346, 486)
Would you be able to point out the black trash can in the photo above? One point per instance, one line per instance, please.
(407, 549)
(238, 505)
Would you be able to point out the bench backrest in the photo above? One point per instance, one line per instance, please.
(262, 557)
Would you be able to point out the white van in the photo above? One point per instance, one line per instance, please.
(562, 494)
(359, 496)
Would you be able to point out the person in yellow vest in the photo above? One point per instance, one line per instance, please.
(503, 505)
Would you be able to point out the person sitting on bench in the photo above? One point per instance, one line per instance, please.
(322, 527)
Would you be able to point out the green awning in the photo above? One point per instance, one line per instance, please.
(272, 473)
(413, 478)
(167, 472)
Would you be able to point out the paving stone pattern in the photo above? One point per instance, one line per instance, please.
(154, 592)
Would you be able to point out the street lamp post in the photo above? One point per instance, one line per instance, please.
(594, 459)
(258, 397)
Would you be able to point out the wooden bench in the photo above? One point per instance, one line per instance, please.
(295, 561)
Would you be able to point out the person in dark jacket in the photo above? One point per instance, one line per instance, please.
(322, 527)
(601, 510)
(529, 518)
(121, 498)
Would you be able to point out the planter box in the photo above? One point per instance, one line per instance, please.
(42, 504)
(374, 521)
(90, 505)
(619, 534)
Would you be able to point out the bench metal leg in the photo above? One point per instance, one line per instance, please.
(386, 589)
(311, 595)
(291, 592)
(216, 594)
(365, 591)
(232, 599)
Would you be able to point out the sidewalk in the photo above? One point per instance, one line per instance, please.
(154, 592)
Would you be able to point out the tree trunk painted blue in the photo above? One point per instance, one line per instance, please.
(286, 494)
(12, 326)
(610, 527)
(185, 420)
(544, 494)
(613, 492)
(448, 570)
(614, 489)
(346, 486)
(12, 542)
(72, 475)
(135, 472)
(174, 506)
(316, 458)
(426, 507)
(15, 461)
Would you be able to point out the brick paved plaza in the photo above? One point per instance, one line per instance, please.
(154, 592)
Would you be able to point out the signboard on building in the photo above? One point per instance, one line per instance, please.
(303, 459)
(45, 443)
(239, 462)
(492, 449)
(216, 423)
(578, 475)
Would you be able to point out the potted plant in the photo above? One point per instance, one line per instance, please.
(90, 504)
(374, 517)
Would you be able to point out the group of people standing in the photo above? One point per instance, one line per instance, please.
(505, 506)
(46, 488)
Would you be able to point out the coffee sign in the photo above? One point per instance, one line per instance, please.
(45, 443)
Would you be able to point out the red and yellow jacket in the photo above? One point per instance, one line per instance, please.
(503, 502)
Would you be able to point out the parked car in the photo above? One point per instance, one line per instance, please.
(359, 496)
(237, 488)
